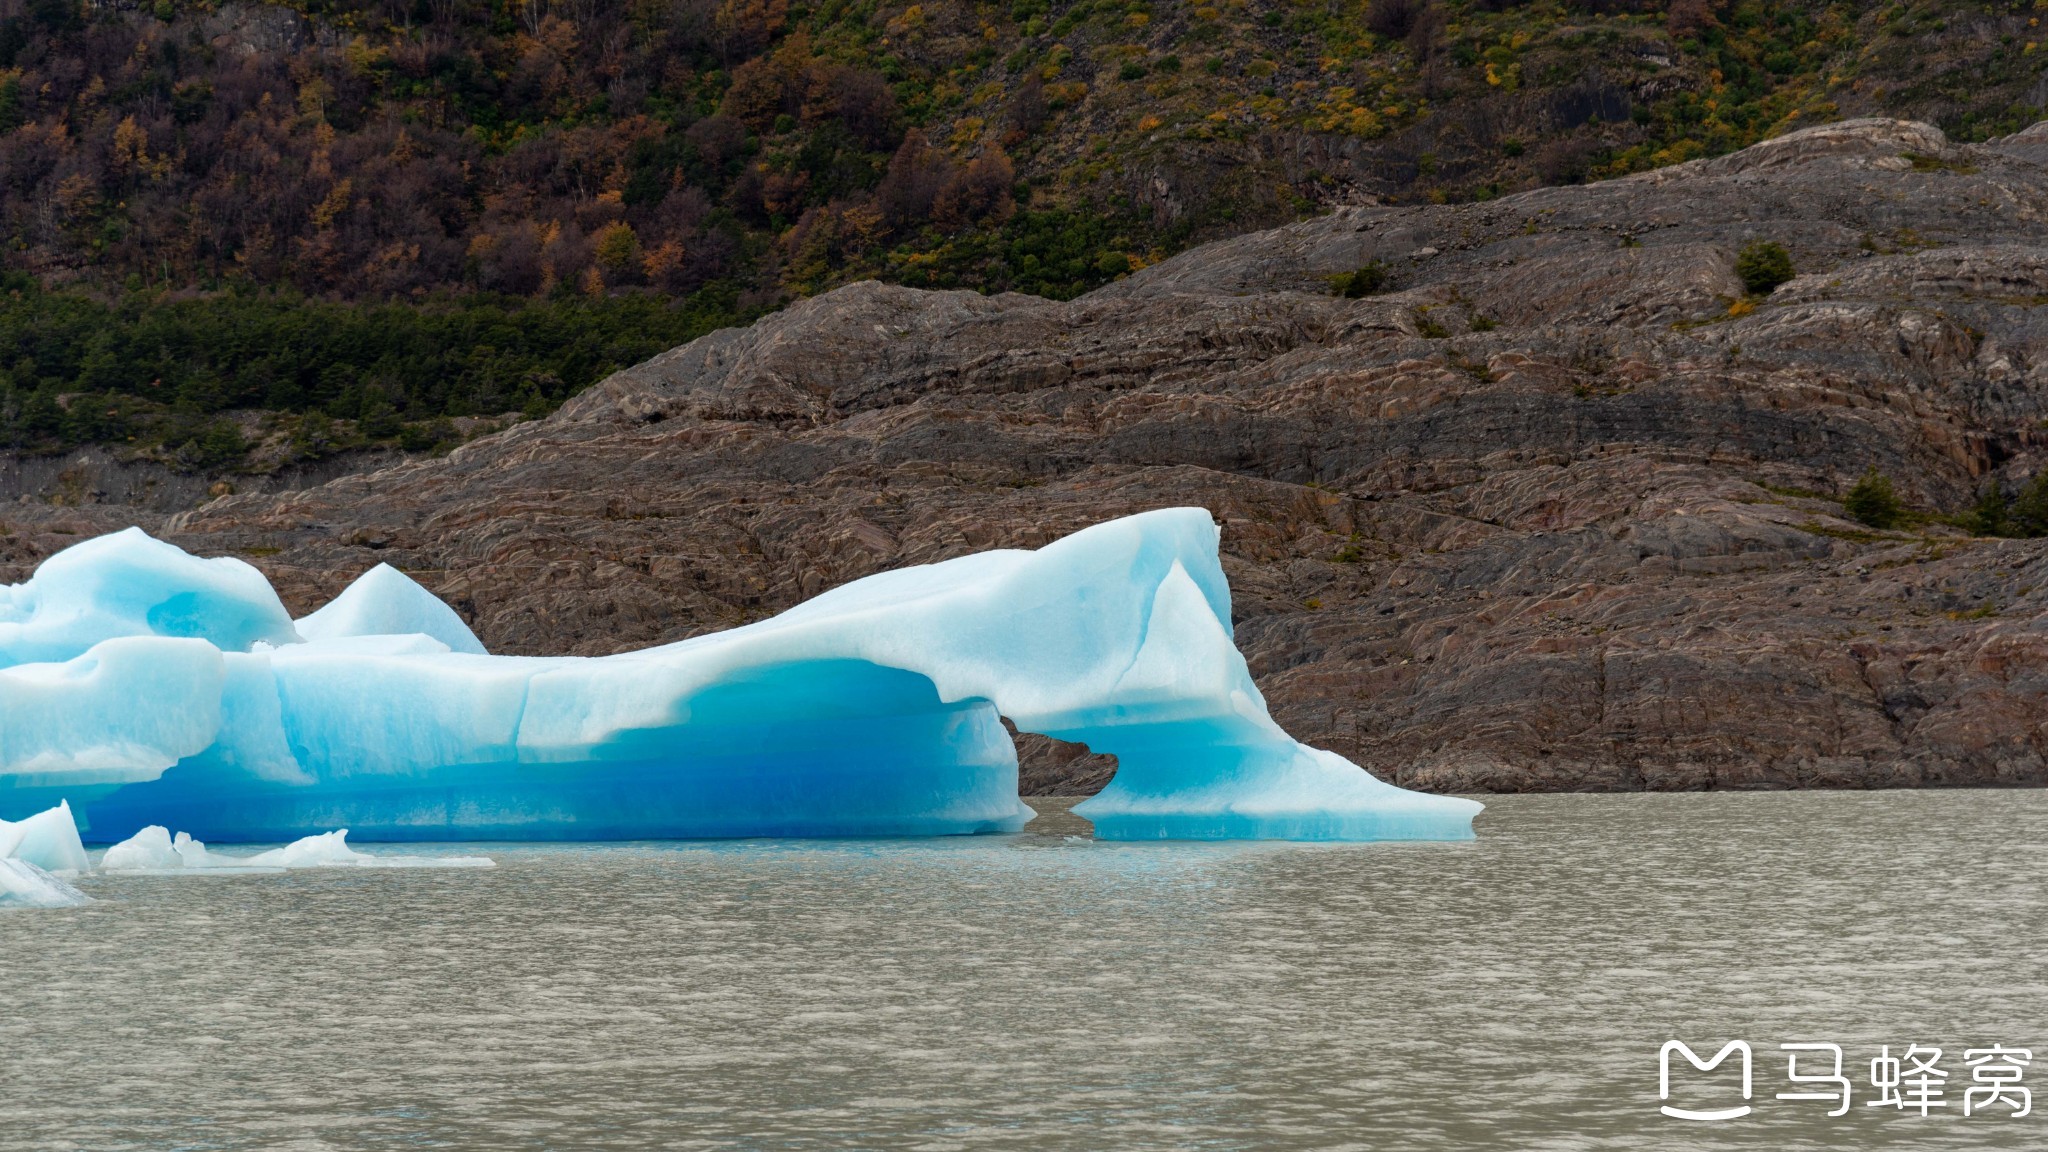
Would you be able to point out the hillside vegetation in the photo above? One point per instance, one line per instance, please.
(333, 223)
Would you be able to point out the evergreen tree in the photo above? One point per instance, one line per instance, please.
(1763, 265)
(1872, 501)
(2029, 514)
(1367, 280)
(1989, 516)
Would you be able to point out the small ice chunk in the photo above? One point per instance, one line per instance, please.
(49, 840)
(331, 850)
(23, 885)
(326, 850)
(155, 850)
(149, 850)
(193, 854)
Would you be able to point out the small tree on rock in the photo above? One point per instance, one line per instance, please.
(1990, 516)
(2029, 513)
(1763, 265)
(1367, 280)
(1872, 501)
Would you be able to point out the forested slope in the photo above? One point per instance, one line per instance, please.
(242, 233)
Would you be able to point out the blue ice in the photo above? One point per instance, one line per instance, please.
(151, 687)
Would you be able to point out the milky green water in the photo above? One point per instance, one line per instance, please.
(1044, 991)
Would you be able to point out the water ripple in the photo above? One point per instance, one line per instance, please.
(1046, 991)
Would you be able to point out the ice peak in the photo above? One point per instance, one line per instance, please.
(387, 602)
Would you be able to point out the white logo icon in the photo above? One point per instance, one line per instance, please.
(1664, 1079)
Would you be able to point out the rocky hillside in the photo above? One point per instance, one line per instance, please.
(1551, 502)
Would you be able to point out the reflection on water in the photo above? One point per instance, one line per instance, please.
(1046, 991)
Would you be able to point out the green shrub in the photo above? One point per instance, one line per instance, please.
(2028, 513)
(218, 447)
(151, 369)
(2023, 514)
(1364, 282)
(1989, 516)
(1763, 265)
(379, 421)
(1871, 501)
(440, 434)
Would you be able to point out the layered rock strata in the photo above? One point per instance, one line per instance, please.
(1557, 509)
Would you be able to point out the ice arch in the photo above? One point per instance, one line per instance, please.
(873, 709)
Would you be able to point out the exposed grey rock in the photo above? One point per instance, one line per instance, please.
(1547, 514)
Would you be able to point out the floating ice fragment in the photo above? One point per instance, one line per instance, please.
(49, 840)
(154, 850)
(876, 708)
(149, 850)
(24, 885)
(331, 850)
(193, 854)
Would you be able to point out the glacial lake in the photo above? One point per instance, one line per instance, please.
(1046, 991)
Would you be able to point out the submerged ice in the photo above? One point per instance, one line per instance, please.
(151, 687)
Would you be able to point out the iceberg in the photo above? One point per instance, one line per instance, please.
(155, 851)
(150, 687)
